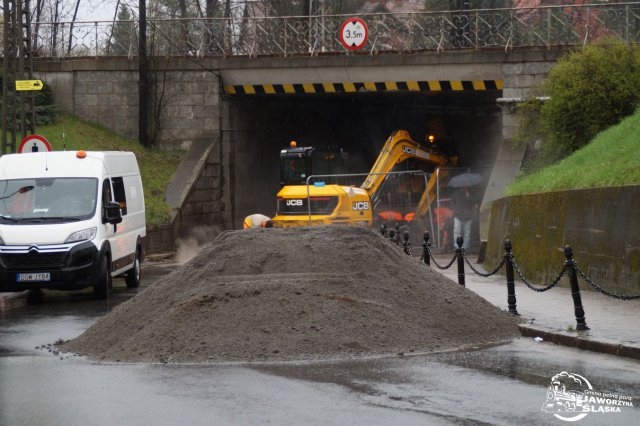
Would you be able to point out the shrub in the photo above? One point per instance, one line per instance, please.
(589, 90)
(46, 109)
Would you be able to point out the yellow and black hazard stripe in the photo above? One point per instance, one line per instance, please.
(385, 86)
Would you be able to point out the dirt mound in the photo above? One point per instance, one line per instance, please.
(295, 293)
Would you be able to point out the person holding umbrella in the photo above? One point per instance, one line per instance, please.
(465, 206)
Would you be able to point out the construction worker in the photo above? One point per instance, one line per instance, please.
(257, 221)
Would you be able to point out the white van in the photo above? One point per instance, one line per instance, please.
(70, 220)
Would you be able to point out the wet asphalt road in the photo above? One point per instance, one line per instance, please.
(500, 385)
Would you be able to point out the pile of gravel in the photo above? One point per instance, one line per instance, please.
(297, 293)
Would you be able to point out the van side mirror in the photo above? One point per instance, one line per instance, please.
(112, 213)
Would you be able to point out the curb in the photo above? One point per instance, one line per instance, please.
(581, 341)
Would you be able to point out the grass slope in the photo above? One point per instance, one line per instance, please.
(156, 167)
(611, 159)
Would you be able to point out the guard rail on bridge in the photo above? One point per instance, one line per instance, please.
(481, 29)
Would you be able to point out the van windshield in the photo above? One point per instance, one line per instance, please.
(47, 199)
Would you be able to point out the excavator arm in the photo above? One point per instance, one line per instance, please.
(398, 148)
(429, 195)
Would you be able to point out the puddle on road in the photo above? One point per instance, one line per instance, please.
(504, 384)
(524, 361)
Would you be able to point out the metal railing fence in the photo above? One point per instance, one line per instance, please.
(480, 29)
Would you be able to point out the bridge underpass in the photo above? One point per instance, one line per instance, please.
(516, 47)
(255, 107)
(359, 123)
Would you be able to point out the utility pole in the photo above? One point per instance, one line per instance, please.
(143, 76)
(18, 107)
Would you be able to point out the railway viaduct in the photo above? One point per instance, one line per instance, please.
(238, 90)
(233, 115)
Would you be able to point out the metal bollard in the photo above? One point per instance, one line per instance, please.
(406, 244)
(397, 240)
(511, 288)
(581, 324)
(459, 242)
(383, 229)
(425, 249)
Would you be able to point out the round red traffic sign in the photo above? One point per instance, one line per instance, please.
(34, 143)
(354, 33)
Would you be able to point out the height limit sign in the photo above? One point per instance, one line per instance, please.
(353, 33)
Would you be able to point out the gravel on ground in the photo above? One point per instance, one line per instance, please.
(295, 294)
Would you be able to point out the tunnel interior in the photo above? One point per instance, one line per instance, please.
(260, 126)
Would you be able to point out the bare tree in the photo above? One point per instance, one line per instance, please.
(54, 34)
(37, 13)
(115, 15)
(211, 8)
(73, 20)
(182, 6)
(199, 12)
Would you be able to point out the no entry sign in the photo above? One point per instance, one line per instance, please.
(353, 33)
(34, 143)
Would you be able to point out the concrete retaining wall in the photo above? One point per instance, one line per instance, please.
(519, 79)
(160, 239)
(203, 206)
(601, 225)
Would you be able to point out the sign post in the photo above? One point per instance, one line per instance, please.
(34, 143)
(354, 33)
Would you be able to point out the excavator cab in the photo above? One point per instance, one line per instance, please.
(298, 163)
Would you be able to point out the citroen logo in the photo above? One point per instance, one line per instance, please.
(34, 249)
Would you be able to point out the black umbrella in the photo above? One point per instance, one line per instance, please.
(465, 179)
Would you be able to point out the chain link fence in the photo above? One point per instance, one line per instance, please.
(396, 200)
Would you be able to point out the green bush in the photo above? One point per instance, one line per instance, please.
(590, 90)
(46, 110)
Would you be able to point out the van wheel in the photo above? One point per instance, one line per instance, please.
(103, 284)
(132, 278)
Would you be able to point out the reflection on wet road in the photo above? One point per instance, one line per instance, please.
(500, 385)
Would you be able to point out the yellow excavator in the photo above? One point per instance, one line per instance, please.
(317, 203)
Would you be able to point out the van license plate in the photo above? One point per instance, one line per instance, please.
(34, 276)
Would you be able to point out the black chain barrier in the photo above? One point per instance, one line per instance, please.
(483, 274)
(570, 268)
(427, 256)
(435, 262)
(602, 290)
(531, 286)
